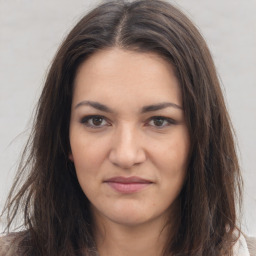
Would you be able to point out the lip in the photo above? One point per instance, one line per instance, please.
(128, 185)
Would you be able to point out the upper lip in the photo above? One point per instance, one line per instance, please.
(132, 179)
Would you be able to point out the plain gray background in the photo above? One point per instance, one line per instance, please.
(31, 31)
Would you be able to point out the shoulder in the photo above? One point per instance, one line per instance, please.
(251, 244)
(7, 245)
(245, 246)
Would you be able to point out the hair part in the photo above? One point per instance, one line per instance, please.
(207, 203)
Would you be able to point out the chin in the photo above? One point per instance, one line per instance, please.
(129, 221)
(132, 216)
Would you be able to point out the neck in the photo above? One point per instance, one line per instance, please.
(115, 239)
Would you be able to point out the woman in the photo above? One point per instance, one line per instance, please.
(132, 151)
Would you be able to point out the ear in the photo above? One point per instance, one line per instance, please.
(70, 157)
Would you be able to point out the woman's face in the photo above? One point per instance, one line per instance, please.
(129, 140)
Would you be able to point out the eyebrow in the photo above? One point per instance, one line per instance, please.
(151, 108)
(95, 105)
(145, 109)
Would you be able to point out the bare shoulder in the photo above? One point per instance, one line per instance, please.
(7, 245)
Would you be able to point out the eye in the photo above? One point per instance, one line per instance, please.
(160, 121)
(95, 121)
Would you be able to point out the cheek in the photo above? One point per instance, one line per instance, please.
(87, 152)
(173, 152)
(171, 160)
(88, 158)
(180, 146)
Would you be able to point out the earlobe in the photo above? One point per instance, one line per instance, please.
(70, 157)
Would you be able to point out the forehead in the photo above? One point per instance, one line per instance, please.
(120, 74)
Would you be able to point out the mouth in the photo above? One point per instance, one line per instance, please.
(128, 185)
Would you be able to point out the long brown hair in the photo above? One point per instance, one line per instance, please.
(56, 212)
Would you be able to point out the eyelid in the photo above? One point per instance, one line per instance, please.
(170, 121)
(84, 120)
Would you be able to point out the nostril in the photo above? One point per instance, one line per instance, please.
(126, 159)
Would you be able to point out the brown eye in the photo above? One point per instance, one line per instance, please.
(158, 121)
(161, 122)
(95, 121)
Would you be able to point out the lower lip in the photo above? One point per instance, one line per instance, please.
(128, 188)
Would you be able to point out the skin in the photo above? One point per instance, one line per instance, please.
(128, 142)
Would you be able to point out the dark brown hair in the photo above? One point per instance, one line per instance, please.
(56, 212)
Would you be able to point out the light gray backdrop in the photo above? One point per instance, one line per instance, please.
(30, 33)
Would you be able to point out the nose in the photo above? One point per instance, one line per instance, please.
(126, 148)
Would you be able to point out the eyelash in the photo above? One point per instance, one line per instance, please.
(168, 121)
(85, 120)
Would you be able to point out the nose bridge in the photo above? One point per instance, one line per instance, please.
(127, 149)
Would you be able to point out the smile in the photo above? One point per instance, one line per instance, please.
(128, 185)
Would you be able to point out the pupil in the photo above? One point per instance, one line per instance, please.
(158, 122)
(97, 121)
